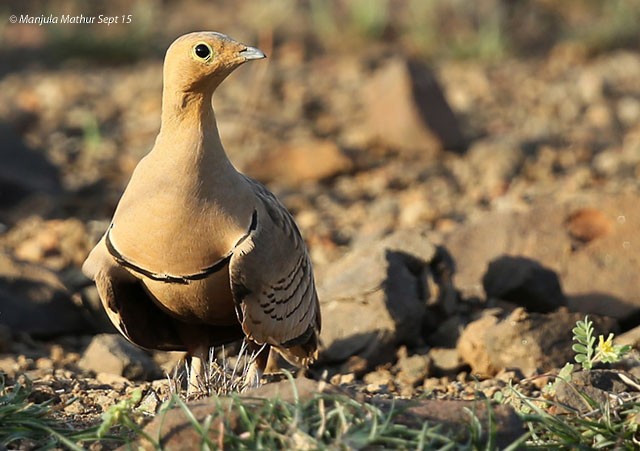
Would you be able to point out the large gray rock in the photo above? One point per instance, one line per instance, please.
(597, 264)
(376, 297)
(23, 174)
(455, 418)
(34, 300)
(113, 354)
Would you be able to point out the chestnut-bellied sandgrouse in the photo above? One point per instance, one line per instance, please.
(198, 254)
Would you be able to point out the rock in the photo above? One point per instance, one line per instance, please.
(23, 174)
(472, 345)
(618, 162)
(59, 243)
(407, 109)
(599, 276)
(379, 381)
(306, 161)
(630, 337)
(150, 403)
(628, 111)
(112, 353)
(527, 341)
(33, 300)
(523, 282)
(587, 224)
(412, 370)
(377, 295)
(489, 167)
(599, 115)
(445, 361)
(598, 385)
(300, 388)
(446, 330)
(113, 380)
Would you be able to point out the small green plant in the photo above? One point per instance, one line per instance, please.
(563, 376)
(588, 353)
(121, 413)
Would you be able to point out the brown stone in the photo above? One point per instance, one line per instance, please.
(445, 361)
(472, 347)
(407, 109)
(587, 224)
(530, 342)
(304, 161)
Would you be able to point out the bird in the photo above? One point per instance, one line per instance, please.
(198, 254)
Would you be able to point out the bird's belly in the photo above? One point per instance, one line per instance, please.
(206, 301)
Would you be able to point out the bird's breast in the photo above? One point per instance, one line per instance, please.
(174, 240)
(206, 301)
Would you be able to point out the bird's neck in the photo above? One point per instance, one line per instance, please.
(188, 128)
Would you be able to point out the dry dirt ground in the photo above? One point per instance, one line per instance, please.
(539, 153)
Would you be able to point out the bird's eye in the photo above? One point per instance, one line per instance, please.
(202, 51)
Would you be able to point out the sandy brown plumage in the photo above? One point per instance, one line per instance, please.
(197, 254)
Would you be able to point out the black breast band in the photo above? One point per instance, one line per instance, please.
(182, 279)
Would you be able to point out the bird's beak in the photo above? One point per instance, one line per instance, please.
(252, 53)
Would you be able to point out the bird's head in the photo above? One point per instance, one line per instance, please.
(200, 61)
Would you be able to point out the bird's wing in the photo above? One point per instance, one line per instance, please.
(272, 282)
(128, 305)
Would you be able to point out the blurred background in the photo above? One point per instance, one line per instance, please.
(367, 117)
(80, 102)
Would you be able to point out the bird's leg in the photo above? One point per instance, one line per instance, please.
(258, 364)
(197, 367)
(272, 365)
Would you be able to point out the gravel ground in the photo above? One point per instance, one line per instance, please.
(558, 125)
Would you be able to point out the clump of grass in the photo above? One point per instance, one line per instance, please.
(612, 425)
(326, 421)
(221, 376)
(24, 423)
